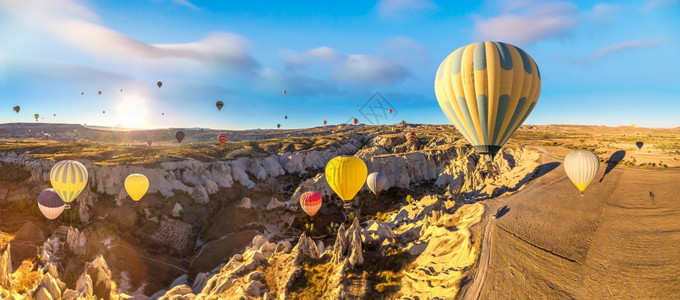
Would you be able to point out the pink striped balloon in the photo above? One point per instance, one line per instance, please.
(310, 202)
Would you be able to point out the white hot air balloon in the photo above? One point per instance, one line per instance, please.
(581, 167)
(376, 182)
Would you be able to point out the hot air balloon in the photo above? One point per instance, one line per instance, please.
(324, 122)
(17, 108)
(136, 186)
(68, 178)
(149, 142)
(162, 114)
(285, 93)
(36, 116)
(339, 127)
(581, 167)
(278, 125)
(411, 136)
(82, 93)
(50, 204)
(376, 182)
(219, 105)
(487, 90)
(285, 117)
(179, 135)
(310, 202)
(333, 131)
(159, 84)
(355, 121)
(121, 90)
(55, 115)
(103, 111)
(389, 110)
(222, 138)
(100, 92)
(346, 175)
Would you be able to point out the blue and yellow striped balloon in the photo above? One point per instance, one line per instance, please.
(68, 178)
(487, 90)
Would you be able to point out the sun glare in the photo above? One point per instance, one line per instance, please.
(131, 111)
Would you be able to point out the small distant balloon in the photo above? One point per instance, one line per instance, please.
(82, 93)
(285, 117)
(100, 92)
(179, 135)
(149, 142)
(55, 115)
(159, 84)
(121, 90)
(17, 108)
(162, 114)
(285, 93)
(219, 105)
(278, 125)
(103, 111)
(36, 116)
(324, 122)
(355, 121)
(389, 110)
(222, 138)
(333, 131)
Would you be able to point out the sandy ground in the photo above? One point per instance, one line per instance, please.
(615, 242)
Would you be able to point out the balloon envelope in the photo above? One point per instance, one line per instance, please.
(346, 175)
(100, 92)
(376, 182)
(487, 90)
(68, 178)
(355, 121)
(222, 138)
(179, 135)
(278, 125)
(17, 108)
(50, 204)
(389, 110)
(324, 122)
(219, 105)
(411, 136)
(581, 167)
(159, 84)
(36, 116)
(136, 186)
(310, 203)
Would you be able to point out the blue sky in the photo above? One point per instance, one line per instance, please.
(604, 63)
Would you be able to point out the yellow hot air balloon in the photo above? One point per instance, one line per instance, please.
(487, 90)
(68, 178)
(136, 186)
(346, 175)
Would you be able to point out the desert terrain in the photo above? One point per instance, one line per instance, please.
(225, 221)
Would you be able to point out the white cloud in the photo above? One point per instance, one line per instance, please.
(400, 8)
(186, 3)
(527, 22)
(651, 5)
(618, 47)
(355, 69)
(368, 70)
(603, 13)
(79, 27)
(404, 51)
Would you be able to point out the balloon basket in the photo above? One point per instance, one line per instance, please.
(67, 206)
(347, 205)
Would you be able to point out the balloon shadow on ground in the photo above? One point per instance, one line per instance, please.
(639, 145)
(614, 160)
(537, 173)
(502, 211)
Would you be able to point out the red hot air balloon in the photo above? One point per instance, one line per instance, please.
(389, 110)
(411, 137)
(355, 121)
(100, 92)
(222, 138)
(310, 202)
